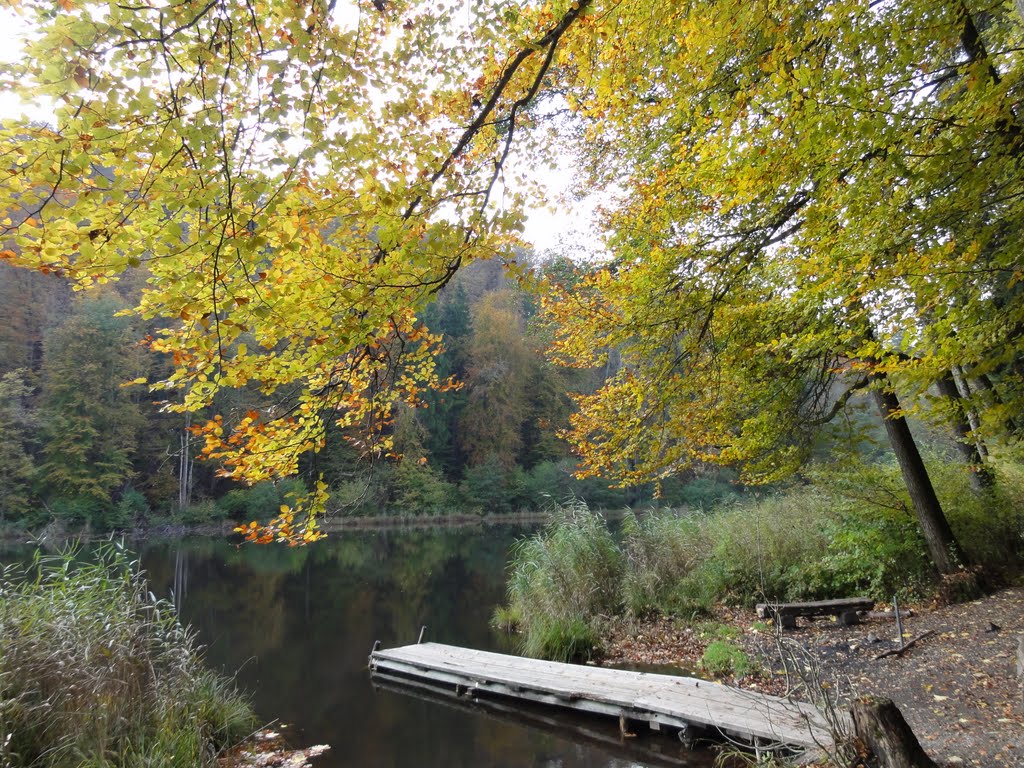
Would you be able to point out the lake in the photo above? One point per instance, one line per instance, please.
(298, 624)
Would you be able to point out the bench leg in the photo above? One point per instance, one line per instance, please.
(849, 618)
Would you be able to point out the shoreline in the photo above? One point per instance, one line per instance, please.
(329, 525)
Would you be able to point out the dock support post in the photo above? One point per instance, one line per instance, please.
(686, 736)
(625, 729)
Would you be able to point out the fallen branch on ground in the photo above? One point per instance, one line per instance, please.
(906, 647)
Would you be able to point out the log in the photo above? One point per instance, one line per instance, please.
(849, 618)
(905, 613)
(880, 727)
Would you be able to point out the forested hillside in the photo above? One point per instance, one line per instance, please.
(82, 445)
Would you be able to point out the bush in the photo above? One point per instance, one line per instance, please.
(260, 502)
(490, 487)
(76, 511)
(419, 489)
(131, 507)
(96, 671)
(989, 526)
(200, 513)
(703, 492)
(546, 482)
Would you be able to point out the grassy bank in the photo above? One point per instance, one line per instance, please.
(97, 673)
(847, 531)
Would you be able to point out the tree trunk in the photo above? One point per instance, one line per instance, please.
(943, 547)
(880, 726)
(980, 478)
(185, 465)
(964, 387)
(985, 383)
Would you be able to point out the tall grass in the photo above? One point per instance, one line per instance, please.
(95, 672)
(661, 549)
(563, 580)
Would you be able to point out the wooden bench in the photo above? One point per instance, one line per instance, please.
(785, 614)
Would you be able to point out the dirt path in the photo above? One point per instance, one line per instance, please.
(957, 687)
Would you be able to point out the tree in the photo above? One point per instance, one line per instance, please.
(15, 462)
(307, 178)
(808, 196)
(28, 300)
(815, 197)
(498, 372)
(449, 316)
(89, 422)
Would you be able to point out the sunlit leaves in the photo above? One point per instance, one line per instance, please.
(804, 192)
(297, 187)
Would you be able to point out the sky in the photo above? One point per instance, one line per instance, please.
(562, 225)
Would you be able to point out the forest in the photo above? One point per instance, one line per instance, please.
(265, 261)
(85, 449)
(300, 214)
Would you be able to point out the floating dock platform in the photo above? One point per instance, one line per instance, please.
(665, 702)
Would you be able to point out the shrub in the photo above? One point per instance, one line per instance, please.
(488, 487)
(990, 525)
(546, 481)
(419, 489)
(260, 502)
(76, 511)
(131, 507)
(200, 513)
(703, 492)
(97, 671)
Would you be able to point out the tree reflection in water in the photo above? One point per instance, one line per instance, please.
(299, 623)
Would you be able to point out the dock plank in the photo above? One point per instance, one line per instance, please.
(662, 699)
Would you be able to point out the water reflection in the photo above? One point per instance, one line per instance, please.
(298, 624)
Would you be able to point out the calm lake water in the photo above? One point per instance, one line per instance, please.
(298, 624)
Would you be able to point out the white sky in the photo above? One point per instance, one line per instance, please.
(559, 226)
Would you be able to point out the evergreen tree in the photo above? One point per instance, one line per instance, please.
(15, 463)
(90, 421)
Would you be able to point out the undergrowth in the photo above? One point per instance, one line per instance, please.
(848, 531)
(95, 672)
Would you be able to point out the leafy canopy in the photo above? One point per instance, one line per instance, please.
(805, 192)
(296, 179)
(809, 194)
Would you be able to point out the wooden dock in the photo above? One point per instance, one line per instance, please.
(684, 704)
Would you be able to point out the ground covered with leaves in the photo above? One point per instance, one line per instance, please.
(956, 686)
(269, 749)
